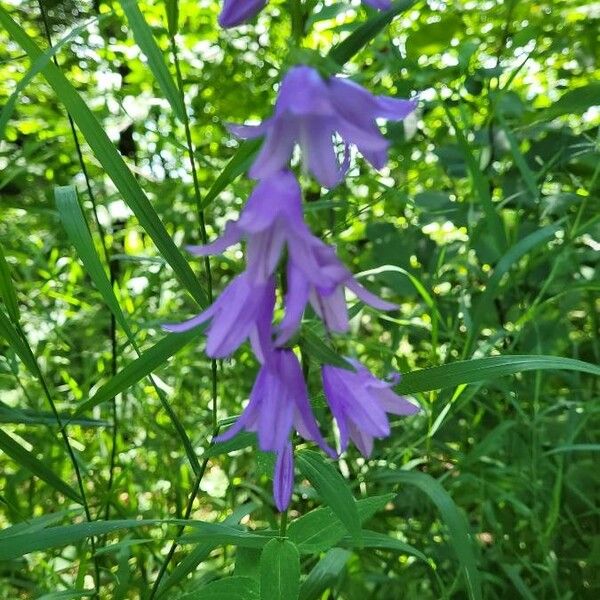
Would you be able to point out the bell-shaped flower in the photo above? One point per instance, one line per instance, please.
(278, 404)
(235, 12)
(318, 277)
(271, 217)
(243, 310)
(379, 4)
(359, 403)
(283, 477)
(309, 111)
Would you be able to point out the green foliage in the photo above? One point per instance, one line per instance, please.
(484, 229)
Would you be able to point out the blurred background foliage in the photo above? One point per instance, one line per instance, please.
(505, 145)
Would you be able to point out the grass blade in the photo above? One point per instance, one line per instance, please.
(135, 371)
(77, 229)
(15, 341)
(79, 233)
(7, 290)
(357, 40)
(321, 529)
(238, 165)
(458, 527)
(482, 369)
(27, 460)
(145, 40)
(333, 490)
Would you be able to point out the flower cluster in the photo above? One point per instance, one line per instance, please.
(309, 111)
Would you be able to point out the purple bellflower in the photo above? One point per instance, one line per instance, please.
(279, 403)
(283, 477)
(243, 310)
(235, 12)
(272, 218)
(379, 4)
(359, 403)
(319, 278)
(309, 111)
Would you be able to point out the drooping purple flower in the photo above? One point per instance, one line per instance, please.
(235, 12)
(283, 477)
(359, 403)
(309, 111)
(379, 4)
(271, 217)
(278, 404)
(243, 310)
(319, 278)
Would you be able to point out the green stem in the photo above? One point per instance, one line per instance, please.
(283, 524)
(208, 273)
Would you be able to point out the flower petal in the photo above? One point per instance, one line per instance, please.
(232, 235)
(193, 322)
(316, 140)
(368, 297)
(249, 131)
(283, 478)
(276, 150)
(395, 109)
(237, 11)
(296, 299)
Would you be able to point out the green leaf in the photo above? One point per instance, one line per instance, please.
(574, 448)
(374, 539)
(78, 231)
(53, 537)
(16, 342)
(218, 533)
(482, 369)
(358, 39)
(279, 571)
(332, 489)
(135, 371)
(111, 160)
(37, 524)
(575, 101)
(461, 539)
(145, 40)
(27, 416)
(27, 460)
(201, 551)
(7, 289)
(324, 574)
(241, 440)
(238, 164)
(172, 10)
(320, 529)
(316, 348)
(232, 588)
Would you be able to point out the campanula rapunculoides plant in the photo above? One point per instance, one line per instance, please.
(315, 113)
